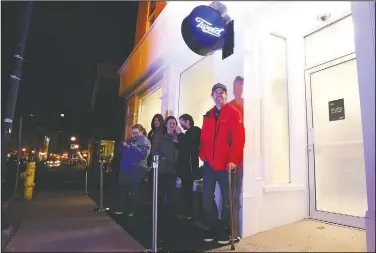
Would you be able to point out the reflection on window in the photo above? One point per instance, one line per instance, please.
(195, 89)
(151, 19)
(152, 5)
(151, 12)
(149, 106)
(276, 113)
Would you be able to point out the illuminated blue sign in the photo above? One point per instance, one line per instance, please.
(204, 30)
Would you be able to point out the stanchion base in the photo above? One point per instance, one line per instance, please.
(158, 250)
(98, 209)
(84, 193)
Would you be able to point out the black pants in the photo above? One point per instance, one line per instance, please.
(187, 187)
(211, 177)
(128, 195)
(166, 188)
(129, 191)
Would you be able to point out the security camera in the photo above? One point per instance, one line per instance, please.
(323, 17)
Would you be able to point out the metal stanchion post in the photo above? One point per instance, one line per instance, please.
(101, 208)
(85, 192)
(154, 247)
(18, 159)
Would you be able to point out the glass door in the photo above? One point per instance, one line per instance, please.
(335, 144)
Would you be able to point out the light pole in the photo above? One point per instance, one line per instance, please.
(15, 79)
(73, 138)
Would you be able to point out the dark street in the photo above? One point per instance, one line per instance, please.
(64, 178)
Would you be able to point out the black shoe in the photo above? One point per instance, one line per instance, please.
(208, 236)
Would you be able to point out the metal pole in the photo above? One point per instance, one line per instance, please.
(85, 192)
(231, 199)
(101, 185)
(15, 79)
(86, 181)
(101, 208)
(18, 158)
(154, 246)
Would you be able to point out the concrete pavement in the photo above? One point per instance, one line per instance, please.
(59, 219)
(65, 222)
(304, 236)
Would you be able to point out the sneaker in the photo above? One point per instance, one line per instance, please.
(224, 238)
(118, 213)
(130, 214)
(208, 236)
(189, 217)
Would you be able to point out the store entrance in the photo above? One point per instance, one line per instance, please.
(335, 144)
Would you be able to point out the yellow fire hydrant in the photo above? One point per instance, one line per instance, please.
(29, 176)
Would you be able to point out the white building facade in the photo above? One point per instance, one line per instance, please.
(309, 81)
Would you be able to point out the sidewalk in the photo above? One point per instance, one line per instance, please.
(304, 236)
(65, 222)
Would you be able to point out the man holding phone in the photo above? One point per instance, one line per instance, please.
(221, 150)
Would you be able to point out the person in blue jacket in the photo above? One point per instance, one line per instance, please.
(133, 167)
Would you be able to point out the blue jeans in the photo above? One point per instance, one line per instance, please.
(211, 177)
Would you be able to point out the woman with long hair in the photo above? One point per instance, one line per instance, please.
(133, 165)
(157, 131)
(167, 150)
(155, 135)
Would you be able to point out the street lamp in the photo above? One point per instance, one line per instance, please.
(24, 149)
(73, 138)
(76, 146)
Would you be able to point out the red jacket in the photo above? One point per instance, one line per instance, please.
(222, 140)
(237, 106)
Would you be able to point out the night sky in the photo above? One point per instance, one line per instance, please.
(66, 40)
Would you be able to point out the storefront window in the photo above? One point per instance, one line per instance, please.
(195, 90)
(150, 105)
(275, 113)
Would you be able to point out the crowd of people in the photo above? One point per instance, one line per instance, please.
(219, 144)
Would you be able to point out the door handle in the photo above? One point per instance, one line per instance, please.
(310, 148)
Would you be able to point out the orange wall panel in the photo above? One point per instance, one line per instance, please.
(142, 18)
(159, 7)
(142, 55)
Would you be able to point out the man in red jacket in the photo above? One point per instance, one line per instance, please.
(221, 150)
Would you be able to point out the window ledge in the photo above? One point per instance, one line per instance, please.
(284, 188)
